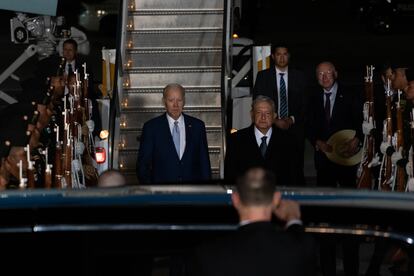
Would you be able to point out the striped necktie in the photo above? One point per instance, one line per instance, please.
(283, 97)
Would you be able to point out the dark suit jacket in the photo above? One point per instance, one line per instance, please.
(259, 248)
(346, 114)
(292, 139)
(266, 85)
(158, 160)
(243, 153)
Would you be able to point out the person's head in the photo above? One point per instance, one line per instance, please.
(280, 55)
(326, 74)
(70, 49)
(111, 178)
(255, 195)
(399, 79)
(263, 113)
(409, 93)
(386, 73)
(173, 98)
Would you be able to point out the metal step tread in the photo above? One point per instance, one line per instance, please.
(177, 30)
(162, 50)
(162, 109)
(187, 69)
(176, 11)
(157, 90)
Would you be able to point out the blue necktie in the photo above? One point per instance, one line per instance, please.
(176, 137)
(263, 146)
(283, 98)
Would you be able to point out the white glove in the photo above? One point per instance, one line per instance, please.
(396, 156)
(374, 162)
(409, 168)
(384, 146)
(367, 126)
(410, 185)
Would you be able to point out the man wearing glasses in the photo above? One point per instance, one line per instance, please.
(333, 108)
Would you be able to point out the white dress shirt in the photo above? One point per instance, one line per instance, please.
(285, 77)
(259, 136)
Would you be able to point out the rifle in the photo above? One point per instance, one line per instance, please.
(365, 180)
(57, 176)
(400, 181)
(410, 167)
(23, 181)
(30, 169)
(387, 168)
(48, 171)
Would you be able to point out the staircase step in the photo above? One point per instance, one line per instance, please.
(138, 59)
(188, 4)
(160, 78)
(177, 11)
(192, 21)
(180, 38)
(195, 99)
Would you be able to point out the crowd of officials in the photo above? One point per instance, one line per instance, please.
(285, 112)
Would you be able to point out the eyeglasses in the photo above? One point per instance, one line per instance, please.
(323, 73)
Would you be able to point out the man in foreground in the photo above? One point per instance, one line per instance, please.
(260, 247)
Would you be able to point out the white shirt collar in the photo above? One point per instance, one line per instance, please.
(280, 71)
(171, 120)
(259, 135)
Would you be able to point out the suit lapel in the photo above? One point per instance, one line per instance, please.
(272, 142)
(289, 91)
(273, 80)
(188, 133)
(337, 104)
(167, 133)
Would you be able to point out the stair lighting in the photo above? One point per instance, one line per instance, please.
(123, 121)
(131, 5)
(130, 25)
(126, 83)
(125, 102)
(122, 142)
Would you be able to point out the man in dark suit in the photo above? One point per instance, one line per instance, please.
(173, 146)
(255, 145)
(286, 86)
(334, 108)
(260, 247)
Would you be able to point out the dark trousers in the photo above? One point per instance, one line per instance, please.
(333, 175)
(350, 256)
(290, 160)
